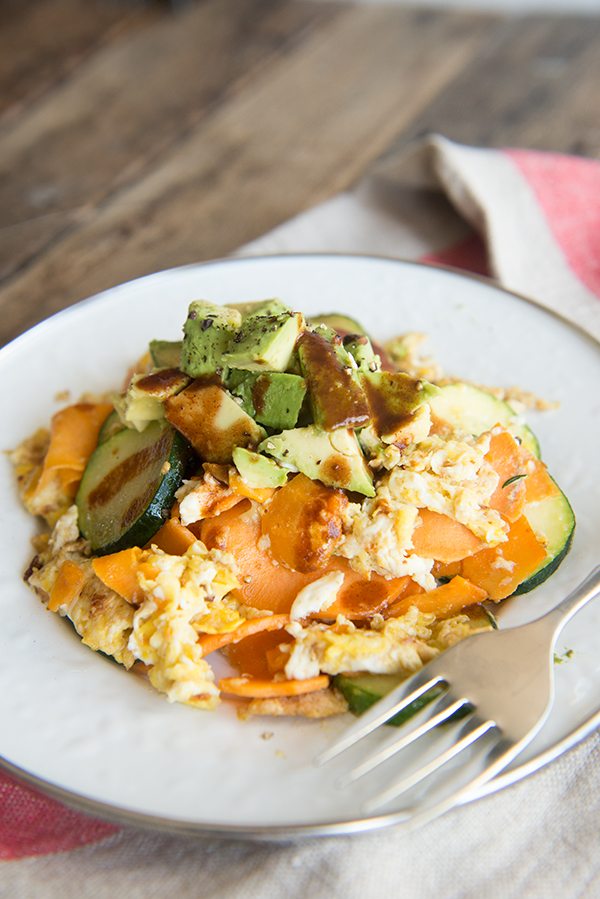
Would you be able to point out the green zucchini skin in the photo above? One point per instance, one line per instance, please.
(554, 519)
(362, 690)
(118, 516)
(474, 410)
(111, 426)
(361, 696)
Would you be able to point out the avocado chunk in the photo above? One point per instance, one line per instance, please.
(165, 353)
(336, 396)
(415, 429)
(333, 457)
(273, 399)
(207, 332)
(393, 399)
(361, 350)
(258, 471)
(212, 421)
(265, 342)
(260, 307)
(144, 399)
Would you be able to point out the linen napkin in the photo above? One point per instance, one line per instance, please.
(531, 220)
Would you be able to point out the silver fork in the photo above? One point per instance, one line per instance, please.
(502, 685)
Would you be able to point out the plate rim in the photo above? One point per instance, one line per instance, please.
(281, 832)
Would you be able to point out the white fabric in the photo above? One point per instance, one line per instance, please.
(401, 211)
(535, 840)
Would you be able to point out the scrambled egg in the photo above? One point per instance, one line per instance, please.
(379, 538)
(316, 596)
(50, 499)
(453, 478)
(184, 596)
(204, 497)
(394, 646)
(102, 619)
(447, 476)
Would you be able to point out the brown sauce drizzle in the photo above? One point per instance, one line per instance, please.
(194, 412)
(392, 399)
(363, 598)
(336, 470)
(163, 381)
(338, 399)
(260, 389)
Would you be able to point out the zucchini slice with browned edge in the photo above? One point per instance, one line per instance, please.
(552, 520)
(129, 484)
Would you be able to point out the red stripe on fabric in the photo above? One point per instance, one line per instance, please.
(568, 191)
(32, 824)
(469, 253)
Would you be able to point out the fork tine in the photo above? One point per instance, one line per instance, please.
(499, 757)
(439, 712)
(395, 701)
(472, 731)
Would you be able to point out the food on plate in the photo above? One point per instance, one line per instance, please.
(283, 498)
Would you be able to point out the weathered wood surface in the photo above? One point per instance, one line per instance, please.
(133, 138)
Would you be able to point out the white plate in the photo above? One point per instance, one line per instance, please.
(87, 731)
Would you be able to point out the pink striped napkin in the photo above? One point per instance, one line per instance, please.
(529, 219)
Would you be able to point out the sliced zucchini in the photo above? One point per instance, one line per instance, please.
(166, 353)
(362, 690)
(111, 426)
(474, 411)
(343, 324)
(553, 521)
(488, 618)
(129, 484)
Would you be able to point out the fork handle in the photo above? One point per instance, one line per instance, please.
(581, 595)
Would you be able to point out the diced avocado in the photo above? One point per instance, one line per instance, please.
(361, 350)
(260, 307)
(343, 324)
(165, 353)
(258, 471)
(273, 399)
(393, 399)
(415, 428)
(212, 421)
(333, 457)
(208, 331)
(265, 342)
(336, 396)
(144, 399)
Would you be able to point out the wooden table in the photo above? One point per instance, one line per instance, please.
(134, 138)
